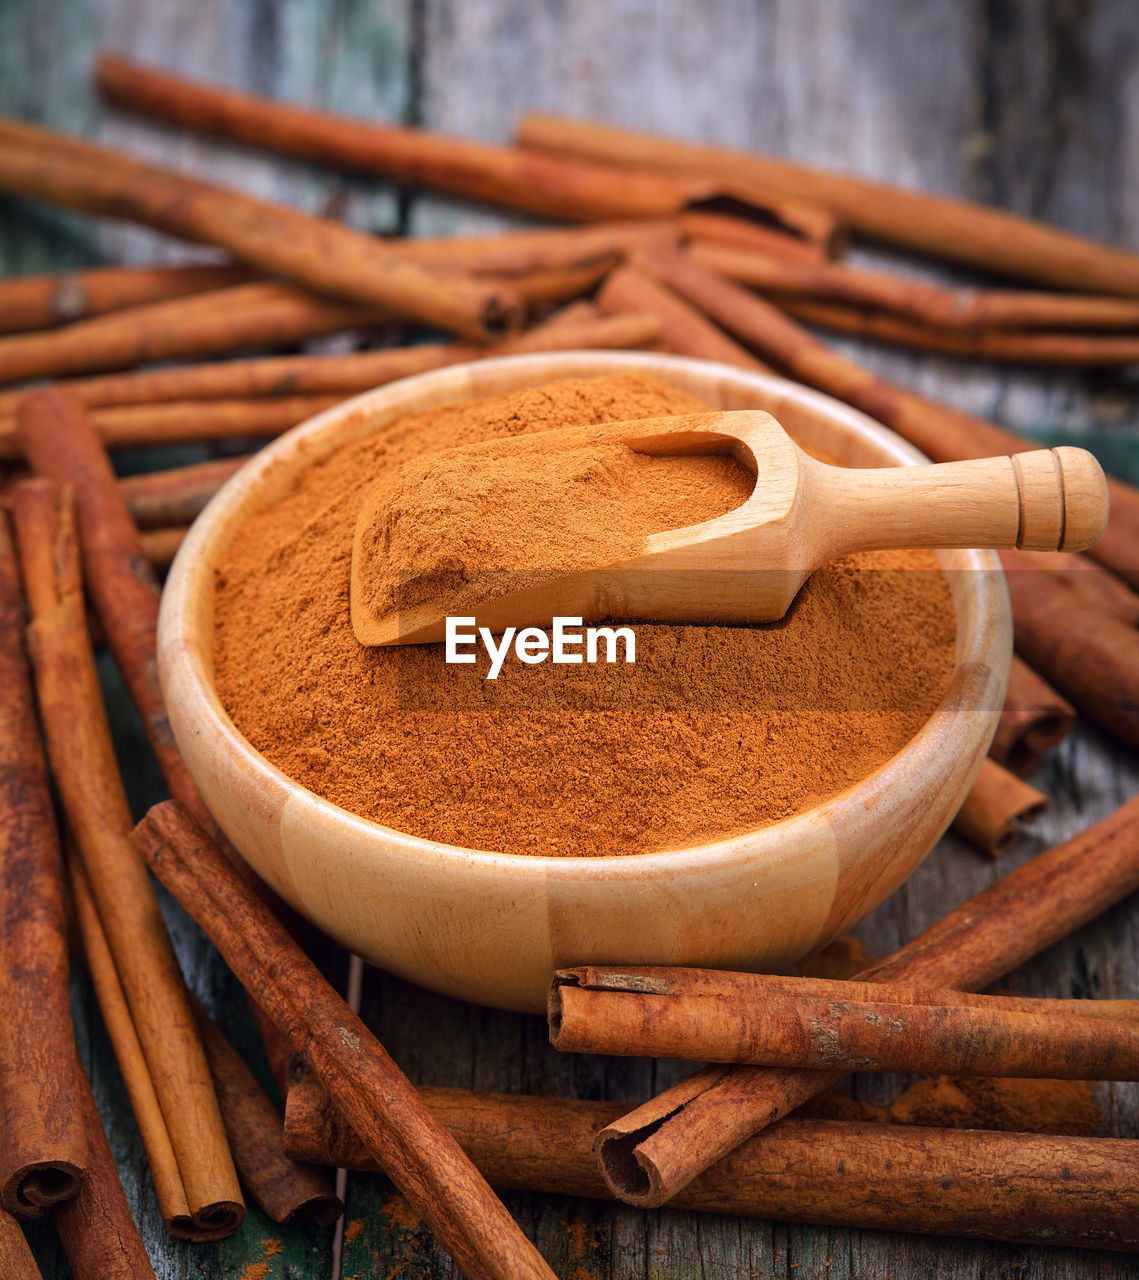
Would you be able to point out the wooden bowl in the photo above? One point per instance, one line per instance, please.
(491, 927)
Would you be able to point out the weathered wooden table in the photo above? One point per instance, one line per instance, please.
(1031, 106)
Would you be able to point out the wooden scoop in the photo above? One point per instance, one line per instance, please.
(747, 566)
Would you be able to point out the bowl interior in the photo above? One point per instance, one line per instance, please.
(817, 422)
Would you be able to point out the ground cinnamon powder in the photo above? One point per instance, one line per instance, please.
(714, 729)
(980, 1102)
(467, 524)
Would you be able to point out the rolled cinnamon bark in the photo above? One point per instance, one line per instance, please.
(16, 1259)
(710, 1016)
(264, 313)
(268, 376)
(942, 433)
(1090, 581)
(944, 227)
(557, 188)
(1033, 720)
(327, 257)
(160, 499)
(95, 1226)
(1091, 656)
(770, 271)
(181, 405)
(90, 788)
(160, 546)
(683, 329)
(796, 279)
(60, 442)
(994, 1186)
(139, 426)
(374, 1095)
(43, 1146)
(169, 1190)
(1052, 350)
(40, 302)
(656, 1150)
(518, 253)
(622, 332)
(561, 284)
(282, 1186)
(997, 803)
(699, 226)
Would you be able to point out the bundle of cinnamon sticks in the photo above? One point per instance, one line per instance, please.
(678, 248)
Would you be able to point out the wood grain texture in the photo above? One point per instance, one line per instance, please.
(1032, 106)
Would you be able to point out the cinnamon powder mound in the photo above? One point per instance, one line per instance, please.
(714, 730)
(979, 1102)
(471, 523)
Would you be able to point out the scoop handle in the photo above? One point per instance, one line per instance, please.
(1042, 500)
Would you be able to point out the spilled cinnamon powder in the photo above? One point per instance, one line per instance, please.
(978, 1102)
(714, 730)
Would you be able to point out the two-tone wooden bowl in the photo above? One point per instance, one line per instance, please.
(491, 927)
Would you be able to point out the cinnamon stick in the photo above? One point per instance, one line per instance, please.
(415, 1151)
(282, 1186)
(160, 546)
(59, 441)
(519, 253)
(160, 499)
(95, 1226)
(997, 803)
(684, 331)
(326, 257)
(1052, 350)
(993, 1186)
(16, 1259)
(264, 376)
(944, 434)
(560, 284)
(90, 788)
(556, 188)
(192, 421)
(722, 230)
(170, 1192)
(1091, 656)
(946, 228)
(40, 302)
(242, 380)
(260, 314)
(971, 311)
(710, 1016)
(650, 1154)
(1033, 720)
(1090, 581)
(43, 1148)
(622, 332)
